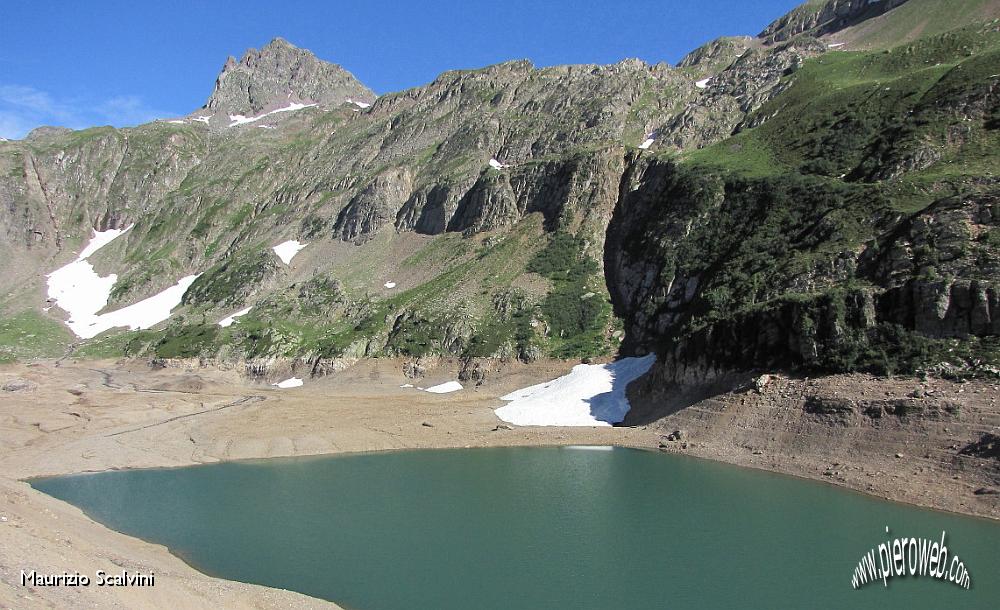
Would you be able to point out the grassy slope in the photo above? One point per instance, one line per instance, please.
(841, 103)
(915, 19)
(478, 297)
(28, 335)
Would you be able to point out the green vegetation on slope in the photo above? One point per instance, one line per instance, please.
(28, 335)
(576, 309)
(868, 189)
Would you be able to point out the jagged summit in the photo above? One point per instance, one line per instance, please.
(278, 73)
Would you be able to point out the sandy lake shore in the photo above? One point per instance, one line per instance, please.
(75, 417)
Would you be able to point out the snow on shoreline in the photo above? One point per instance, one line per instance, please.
(78, 290)
(229, 320)
(291, 382)
(590, 395)
(287, 250)
(444, 388)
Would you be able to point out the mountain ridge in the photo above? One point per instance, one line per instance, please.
(487, 199)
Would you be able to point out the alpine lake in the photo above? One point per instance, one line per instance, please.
(569, 527)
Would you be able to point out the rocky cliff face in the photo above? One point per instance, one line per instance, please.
(279, 74)
(807, 299)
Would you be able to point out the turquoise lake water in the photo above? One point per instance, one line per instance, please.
(532, 528)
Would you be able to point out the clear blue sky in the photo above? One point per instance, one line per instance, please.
(118, 62)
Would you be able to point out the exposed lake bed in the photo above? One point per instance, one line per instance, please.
(98, 417)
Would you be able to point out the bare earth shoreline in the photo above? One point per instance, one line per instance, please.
(75, 417)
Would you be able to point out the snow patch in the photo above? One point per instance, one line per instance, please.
(286, 251)
(99, 240)
(406, 385)
(444, 388)
(590, 395)
(835, 45)
(77, 289)
(228, 321)
(497, 165)
(390, 284)
(361, 105)
(202, 119)
(292, 382)
(703, 83)
(239, 119)
(648, 142)
(178, 121)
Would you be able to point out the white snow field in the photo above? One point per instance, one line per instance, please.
(228, 321)
(703, 83)
(444, 388)
(79, 291)
(287, 250)
(239, 119)
(590, 395)
(390, 284)
(291, 382)
(650, 138)
(361, 105)
(147, 312)
(497, 165)
(202, 119)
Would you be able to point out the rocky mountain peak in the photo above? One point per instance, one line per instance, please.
(281, 72)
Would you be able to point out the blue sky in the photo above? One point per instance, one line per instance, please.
(80, 64)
